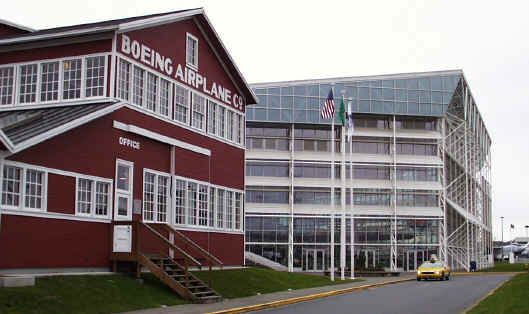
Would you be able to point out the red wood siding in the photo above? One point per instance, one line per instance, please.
(41, 242)
(8, 31)
(61, 194)
(170, 41)
(62, 51)
(227, 247)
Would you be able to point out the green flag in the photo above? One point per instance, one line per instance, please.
(341, 114)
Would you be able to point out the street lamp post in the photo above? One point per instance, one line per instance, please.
(526, 227)
(502, 237)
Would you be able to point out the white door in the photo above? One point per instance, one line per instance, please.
(124, 176)
(122, 239)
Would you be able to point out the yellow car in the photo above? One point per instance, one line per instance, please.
(433, 270)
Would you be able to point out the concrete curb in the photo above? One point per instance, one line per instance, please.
(306, 298)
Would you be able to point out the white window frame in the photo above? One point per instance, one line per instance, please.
(57, 91)
(128, 194)
(168, 202)
(85, 78)
(6, 87)
(196, 112)
(169, 97)
(221, 124)
(211, 223)
(37, 84)
(93, 197)
(63, 81)
(22, 188)
(190, 63)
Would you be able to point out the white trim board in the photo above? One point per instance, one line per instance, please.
(53, 215)
(74, 32)
(161, 138)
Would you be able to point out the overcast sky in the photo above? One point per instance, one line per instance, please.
(291, 40)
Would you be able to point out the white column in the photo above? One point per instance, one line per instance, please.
(352, 210)
(342, 222)
(332, 248)
(291, 201)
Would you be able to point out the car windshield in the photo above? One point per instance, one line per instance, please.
(428, 264)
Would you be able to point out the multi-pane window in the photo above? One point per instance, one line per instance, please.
(203, 205)
(124, 79)
(192, 192)
(155, 197)
(192, 51)
(84, 196)
(95, 76)
(180, 204)
(229, 126)
(49, 81)
(11, 186)
(23, 188)
(222, 121)
(71, 86)
(137, 86)
(199, 111)
(237, 127)
(220, 209)
(212, 117)
(229, 210)
(93, 198)
(165, 97)
(152, 90)
(34, 191)
(102, 198)
(28, 83)
(181, 104)
(6, 85)
(162, 198)
(212, 200)
(238, 210)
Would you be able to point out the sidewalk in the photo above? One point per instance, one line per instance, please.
(279, 297)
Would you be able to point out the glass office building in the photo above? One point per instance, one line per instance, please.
(413, 182)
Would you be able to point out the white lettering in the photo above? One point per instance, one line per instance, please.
(135, 49)
(205, 89)
(125, 44)
(214, 90)
(179, 75)
(168, 66)
(191, 77)
(227, 92)
(199, 80)
(220, 90)
(145, 53)
(160, 62)
(129, 143)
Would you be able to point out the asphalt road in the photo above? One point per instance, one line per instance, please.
(453, 296)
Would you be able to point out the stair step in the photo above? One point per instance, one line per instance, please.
(205, 293)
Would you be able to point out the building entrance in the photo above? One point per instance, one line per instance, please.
(314, 260)
(414, 259)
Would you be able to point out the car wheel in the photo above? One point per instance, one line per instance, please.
(418, 279)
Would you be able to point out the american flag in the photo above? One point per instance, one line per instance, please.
(328, 109)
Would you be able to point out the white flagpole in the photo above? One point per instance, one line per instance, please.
(349, 113)
(342, 194)
(332, 192)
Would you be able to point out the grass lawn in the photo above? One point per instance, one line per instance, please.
(504, 266)
(238, 283)
(511, 298)
(87, 294)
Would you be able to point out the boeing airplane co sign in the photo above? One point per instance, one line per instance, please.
(164, 64)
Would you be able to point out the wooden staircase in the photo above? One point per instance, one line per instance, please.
(172, 271)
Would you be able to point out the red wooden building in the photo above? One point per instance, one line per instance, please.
(108, 124)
